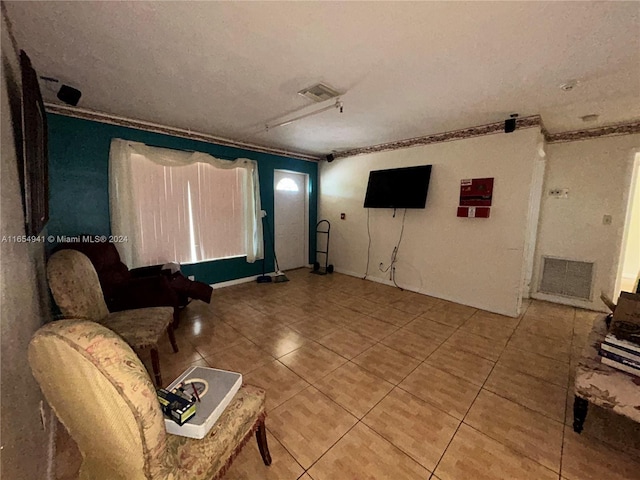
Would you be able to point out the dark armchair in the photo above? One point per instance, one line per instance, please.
(144, 287)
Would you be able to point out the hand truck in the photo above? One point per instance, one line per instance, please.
(316, 265)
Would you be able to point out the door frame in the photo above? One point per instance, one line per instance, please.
(635, 183)
(306, 186)
(533, 219)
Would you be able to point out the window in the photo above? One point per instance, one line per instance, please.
(287, 185)
(185, 207)
(189, 213)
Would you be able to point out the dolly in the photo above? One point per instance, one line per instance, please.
(316, 265)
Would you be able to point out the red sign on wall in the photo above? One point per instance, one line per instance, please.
(475, 197)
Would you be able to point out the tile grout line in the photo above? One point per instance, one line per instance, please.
(359, 420)
(564, 420)
(397, 385)
(476, 397)
(432, 472)
(532, 410)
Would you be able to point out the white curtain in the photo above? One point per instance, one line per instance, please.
(126, 216)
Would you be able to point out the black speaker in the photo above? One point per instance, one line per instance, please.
(69, 95)
(330, 158)
(509, 125)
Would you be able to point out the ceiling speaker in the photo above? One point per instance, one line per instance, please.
(509, 125)
(69, 95)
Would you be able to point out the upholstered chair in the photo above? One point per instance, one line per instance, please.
(102, 394)
(76, 289)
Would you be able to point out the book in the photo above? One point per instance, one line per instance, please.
(621, 350)
(621, 366)
(619, 359)
(613, 340)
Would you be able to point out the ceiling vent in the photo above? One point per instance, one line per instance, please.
(318, 93)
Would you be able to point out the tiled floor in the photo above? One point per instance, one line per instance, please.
(365, 381)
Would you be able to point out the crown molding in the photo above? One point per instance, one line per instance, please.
(532, 121)
(628, 128)
(95, 116)
(464, 133)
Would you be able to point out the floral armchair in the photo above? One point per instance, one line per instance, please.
(76, 290)
(102, 394)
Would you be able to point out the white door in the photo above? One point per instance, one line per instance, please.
(290, 224)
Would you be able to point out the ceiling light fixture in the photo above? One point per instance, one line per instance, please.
(337, 105)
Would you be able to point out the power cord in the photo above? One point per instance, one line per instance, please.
(366, 272)
(394, 254)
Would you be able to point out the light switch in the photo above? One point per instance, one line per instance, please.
(343, 216)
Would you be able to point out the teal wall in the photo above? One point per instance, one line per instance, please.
(79, 185)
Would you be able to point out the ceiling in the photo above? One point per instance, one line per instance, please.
(405, 69)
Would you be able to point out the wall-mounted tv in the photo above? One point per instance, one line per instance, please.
(398, 187)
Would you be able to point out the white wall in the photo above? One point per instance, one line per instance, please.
(598, 174)
(24, 300)
(477, 262)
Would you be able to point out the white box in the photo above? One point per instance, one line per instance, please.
(216, 389)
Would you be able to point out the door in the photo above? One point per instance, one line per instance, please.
(291, 219)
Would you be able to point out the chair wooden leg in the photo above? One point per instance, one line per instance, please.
(172, 338)
(176, 317)
(155, 364)
(580, 407)
(261, 436)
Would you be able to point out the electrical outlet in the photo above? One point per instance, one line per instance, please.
(606, 219)
(559, 193)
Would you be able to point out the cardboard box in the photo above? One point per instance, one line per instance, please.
(628, 308)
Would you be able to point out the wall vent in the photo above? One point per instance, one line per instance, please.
(568, 278)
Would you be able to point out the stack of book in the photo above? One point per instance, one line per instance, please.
(621, 346)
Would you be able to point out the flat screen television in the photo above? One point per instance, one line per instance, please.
(398, 187)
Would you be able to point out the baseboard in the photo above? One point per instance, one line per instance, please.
(238, 281)
(584, 304)
(486, 308)
(415, 289)
(348, 272)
